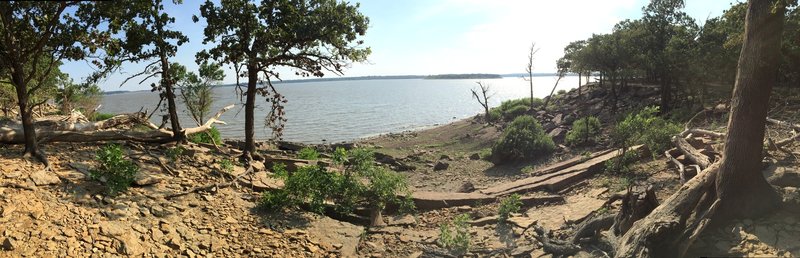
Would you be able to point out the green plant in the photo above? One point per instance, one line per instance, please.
(584, 131)
(279, 171)
(485, 153)
(339, 156)
(527, 169)
(226, 165)
(308, 153)
(510, 109)
(643, 127)
(361, 183)
(100, 116)
(523, 139)
(455, 235)
(117, 172)
(561, 92)
(515, 112)
(211, 136)
(509, 205)
(175, 153)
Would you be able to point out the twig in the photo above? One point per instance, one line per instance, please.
(212, 185)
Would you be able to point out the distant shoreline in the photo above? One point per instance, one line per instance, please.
(387, 77)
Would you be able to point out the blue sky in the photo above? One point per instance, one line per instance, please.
(444, 36)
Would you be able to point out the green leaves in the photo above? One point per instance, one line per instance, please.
(113, 169)
(523, 139)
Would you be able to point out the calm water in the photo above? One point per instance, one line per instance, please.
(347, 110)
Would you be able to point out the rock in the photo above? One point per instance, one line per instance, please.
(475, 156)
(784, 176)
(445, 157)
(145, 179)
(9, 244)
(558, 134)
(484, 221)
(405, 220)
(441, 165)
(467, 187)
(42, 177)
(548, 126)
(558, 119)
(292, 146)
(130, 244)
(111, 229)
(262, 181)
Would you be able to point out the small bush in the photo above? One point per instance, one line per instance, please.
(100, 116)
(515, 112)
(308, 153)
(455, 236)
(495, 114)
(561, 92)
(523, 139)
(226, 165)
(645, 127)
(361, 183)
(584, 131)
(211, 136)
(117, 171)
(509, 205)
(175, 153)
(485, 153)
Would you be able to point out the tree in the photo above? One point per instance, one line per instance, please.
(148, 39)
(573, 62)
(196, 90)
(485, 96)
(562, 71)
(312, 37)
(740, 185)
(35, 37)
(81, 96)
(529, 70)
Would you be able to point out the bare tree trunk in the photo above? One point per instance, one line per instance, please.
(249, 112)
(740, 185)
(168, 82)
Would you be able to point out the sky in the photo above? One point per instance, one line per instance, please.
(422, 37)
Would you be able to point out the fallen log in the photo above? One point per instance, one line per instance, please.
(659, 233)
(92, 132)
(691, 153)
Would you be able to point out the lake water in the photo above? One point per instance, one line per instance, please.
(337, 111)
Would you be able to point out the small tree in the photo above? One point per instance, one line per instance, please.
(523, 139)
(196, 90)
(562, 71)
(529, 68)
(584, 131)
(84, 97)
(485, 96)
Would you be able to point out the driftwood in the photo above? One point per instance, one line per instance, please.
(637, 203)
(89, 132)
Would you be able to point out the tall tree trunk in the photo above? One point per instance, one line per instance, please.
(740, 185)
(25, 112)
(249, 111)
(168, 82)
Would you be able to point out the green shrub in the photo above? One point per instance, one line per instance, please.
(510, 109)
(308, 153)
(211, 136)
(561, 92)
(515, 112)
(485, 153)
(361, 183)
(226, 165)
(642, 127)
(117, 172)
(523, 139)
(100, 116)
(509, 205)
(584, 131)
(645, 127)
(175, 153)
(455, 235)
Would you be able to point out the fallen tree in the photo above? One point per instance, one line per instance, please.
(104, 130)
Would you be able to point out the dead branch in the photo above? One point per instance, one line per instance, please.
(691, 153)
(783, 123)
(695, 131)
(212, 185)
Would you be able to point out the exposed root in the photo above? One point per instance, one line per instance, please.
(211, 186)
